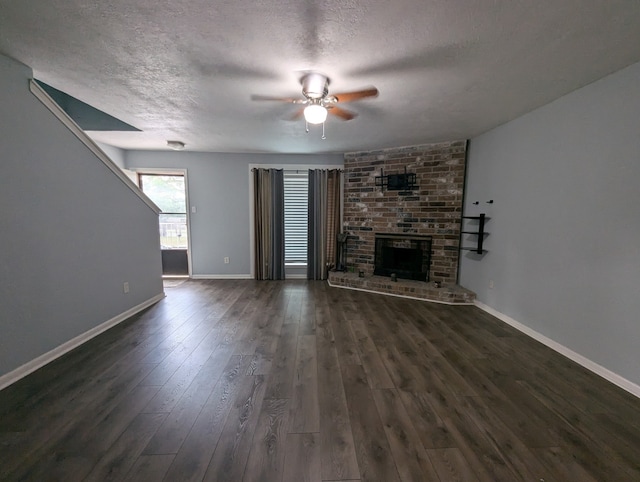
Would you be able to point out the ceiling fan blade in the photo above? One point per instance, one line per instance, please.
(289, 100)
(342, 113)
(356, 95)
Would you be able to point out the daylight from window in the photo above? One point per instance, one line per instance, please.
(296, 187)
(168, 192)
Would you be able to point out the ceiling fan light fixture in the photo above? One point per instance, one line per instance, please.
(315, 114)
(176, 145)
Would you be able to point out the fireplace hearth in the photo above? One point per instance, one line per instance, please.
(406, 256)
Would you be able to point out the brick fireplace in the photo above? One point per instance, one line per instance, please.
(432, 208)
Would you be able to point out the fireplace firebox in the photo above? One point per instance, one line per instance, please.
(406, 256)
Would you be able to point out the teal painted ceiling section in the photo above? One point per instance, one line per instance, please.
(87, 117)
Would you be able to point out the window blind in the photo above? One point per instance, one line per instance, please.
(296, 200)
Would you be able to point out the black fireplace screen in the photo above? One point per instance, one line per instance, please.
(409, 257)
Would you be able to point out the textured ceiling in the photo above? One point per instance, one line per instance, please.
(446, 69)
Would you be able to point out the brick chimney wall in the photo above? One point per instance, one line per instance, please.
(433, 208)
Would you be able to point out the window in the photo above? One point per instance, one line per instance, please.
(168, 192)
(296, 194)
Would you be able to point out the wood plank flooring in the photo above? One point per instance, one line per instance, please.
(236, 380)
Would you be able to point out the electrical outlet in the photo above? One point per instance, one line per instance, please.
(226, 260)
(490, 284)
(125, 287)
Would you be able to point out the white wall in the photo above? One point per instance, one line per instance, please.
(218, 186)
(117, 156)
(114, 153)
(564, 248)
(72, 232)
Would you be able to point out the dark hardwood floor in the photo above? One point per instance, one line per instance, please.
(297, 381)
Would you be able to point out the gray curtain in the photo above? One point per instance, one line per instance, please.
(268, 185)
(324, 221)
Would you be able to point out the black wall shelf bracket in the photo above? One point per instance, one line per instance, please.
(480, 234)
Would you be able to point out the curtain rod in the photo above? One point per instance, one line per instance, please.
(297, 171)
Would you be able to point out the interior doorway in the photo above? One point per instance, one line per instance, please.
(169, 193)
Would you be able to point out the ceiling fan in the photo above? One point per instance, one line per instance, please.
(317, 101)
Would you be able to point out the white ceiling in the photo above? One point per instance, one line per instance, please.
(446, 69)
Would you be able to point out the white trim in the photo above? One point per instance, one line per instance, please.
(70, 124)
(158, 171)
(590, 365)
(188, 206)
(398, 296)
(33, 365)
(252, 230)
(222, 276)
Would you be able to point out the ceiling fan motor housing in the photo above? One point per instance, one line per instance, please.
(315, 85)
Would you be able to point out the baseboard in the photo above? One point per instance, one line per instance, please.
(221, 276)
(397, 296)
(30, 367)
(590, 365)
